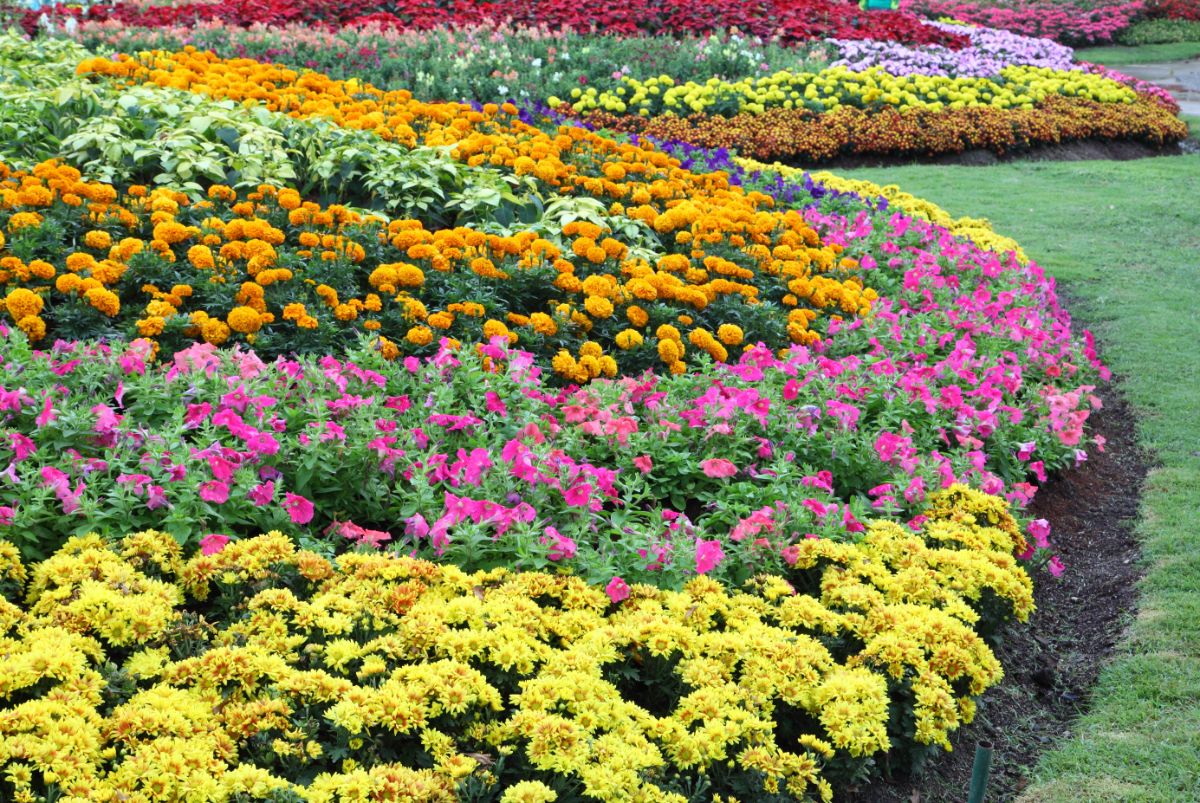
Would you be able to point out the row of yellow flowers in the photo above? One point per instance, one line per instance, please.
(977, 230)
(270, 265)
(1014, 87)
(130, 673)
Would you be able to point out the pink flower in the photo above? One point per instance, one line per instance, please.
(1039, 470)
(1026, 450)
(1056, 566)
(718, 467)
(47, 414)
(416, 526)
(643, 463)
(214, 491)
(299, 508)
(8, 514)
(578, 494)
(617, 589)
(213, 543)
(495, 404)
(708, 555)
(1039, 531)
(561, 547)
(262, 493)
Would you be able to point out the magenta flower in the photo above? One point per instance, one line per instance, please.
(8, 514)
(495, 404)
(708, 555)
(718, 468)
(578, 494)
(262, 493)
(617, 589)
(215, 491)
(213, 543)
(299, 508)
(1056, 566)
(416, 526)
(47, 414)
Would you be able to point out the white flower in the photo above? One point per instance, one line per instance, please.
(535, 63)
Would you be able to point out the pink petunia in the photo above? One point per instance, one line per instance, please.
(1056, 566)
(299, 508)
(617, 589)
(578, 494)
(561, 547)
(495, 404)
(708, 555)
(718, 468)
(213, 543)
(643, 463)
(416, 526)
(262, 494)
(8, 514)
(215, 491)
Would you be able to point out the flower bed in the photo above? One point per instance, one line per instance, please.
(1082, 22)
(747, 536)
(790, 20)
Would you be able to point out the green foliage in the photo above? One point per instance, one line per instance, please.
(1160, 31)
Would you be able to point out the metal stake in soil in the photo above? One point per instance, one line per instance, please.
(980, 771)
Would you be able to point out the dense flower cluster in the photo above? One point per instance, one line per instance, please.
(286, 275)
(873, 88)
(790, 20)
(990, 52)
(1173, 9)
(1080, 22)
(655, 471)
(800, 135)
(255, 668)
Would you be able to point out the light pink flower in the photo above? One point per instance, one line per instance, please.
(643, 463)
(718, 467)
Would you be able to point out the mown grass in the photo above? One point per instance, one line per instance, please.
(1123, 240)
(1117, 55)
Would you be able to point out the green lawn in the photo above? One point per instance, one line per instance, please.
(1123, 239)
(1117, 56)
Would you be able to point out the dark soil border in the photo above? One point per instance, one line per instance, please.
(1076, 151)
(1052, 663)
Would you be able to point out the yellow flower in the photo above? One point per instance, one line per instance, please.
(419, 336)
(729, 334)
(628, 339)
(22, 303)
(33, 327)
(104, 300)
(244, 320)
(598, 307)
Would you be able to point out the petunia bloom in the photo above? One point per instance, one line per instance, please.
(299, 509)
